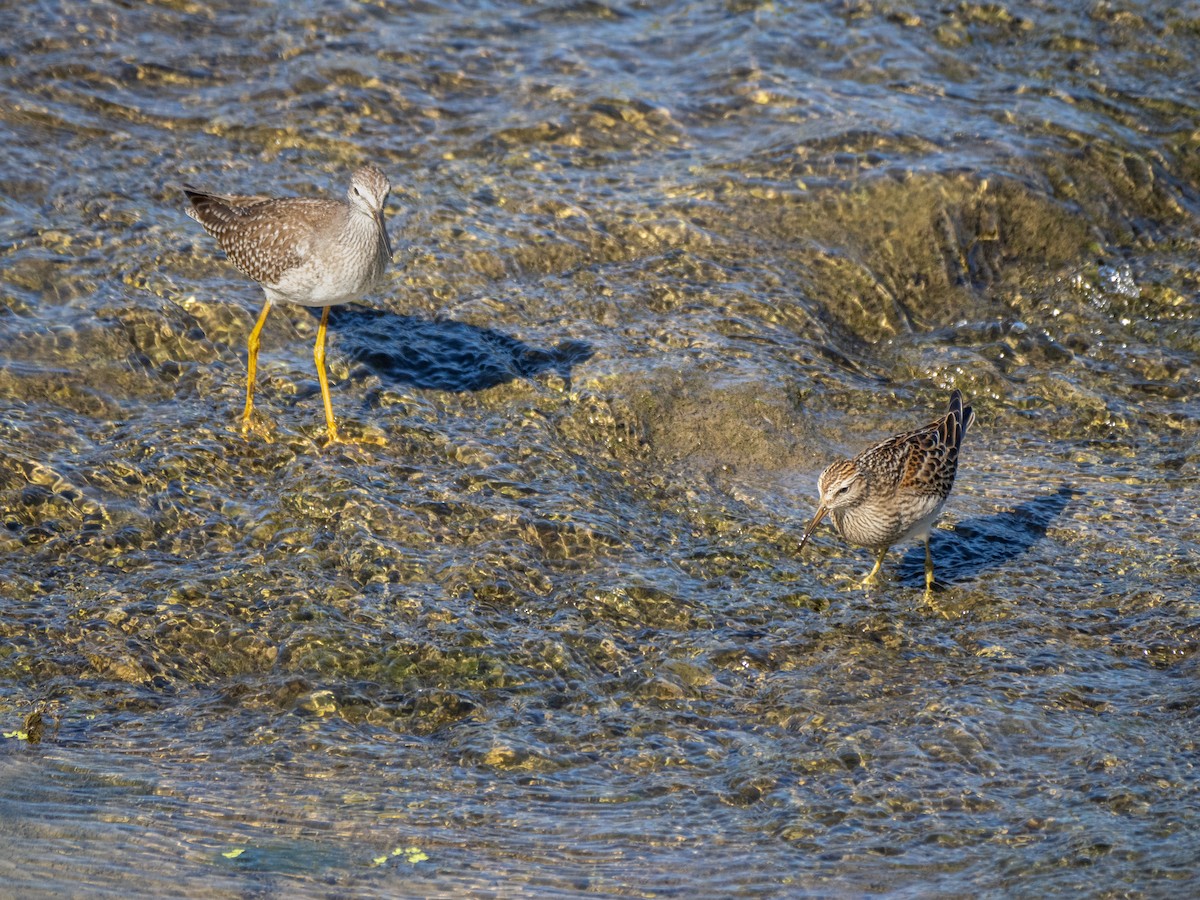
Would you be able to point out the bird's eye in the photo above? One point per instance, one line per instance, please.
(841, 490)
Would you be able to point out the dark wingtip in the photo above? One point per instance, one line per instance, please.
(208, 209)
(194, 193)
(964, 416)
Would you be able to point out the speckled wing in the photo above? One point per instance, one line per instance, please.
(263, 238)
(241, 201)
(931, 453)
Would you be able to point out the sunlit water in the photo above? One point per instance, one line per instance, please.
(543, 629)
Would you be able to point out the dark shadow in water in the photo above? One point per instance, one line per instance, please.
(445, 355)
(986, 542)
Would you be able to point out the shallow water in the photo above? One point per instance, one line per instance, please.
(543, 630)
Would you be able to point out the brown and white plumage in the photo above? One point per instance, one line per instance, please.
(306, 251)
(895, 490)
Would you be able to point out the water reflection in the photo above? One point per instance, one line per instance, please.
(442, 354)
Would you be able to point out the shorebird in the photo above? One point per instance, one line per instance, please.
(312, 252)
(895, 490)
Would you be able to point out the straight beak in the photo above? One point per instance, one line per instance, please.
(812, 526)
(383, 230)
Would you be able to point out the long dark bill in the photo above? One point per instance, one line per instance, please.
(383, 228)
(812, 526)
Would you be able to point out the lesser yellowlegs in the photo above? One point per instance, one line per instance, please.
(307, 251)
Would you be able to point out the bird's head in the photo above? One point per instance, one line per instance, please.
(841, 486)
(368, 192)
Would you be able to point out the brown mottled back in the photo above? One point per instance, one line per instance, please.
(264, 238)
(929, 455)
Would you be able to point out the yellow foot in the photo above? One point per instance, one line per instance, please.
(256, 428)
(364, 437)
(872, 576)
(930, 587)
(930, 599)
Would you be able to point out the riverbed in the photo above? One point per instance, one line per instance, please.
(540, 627)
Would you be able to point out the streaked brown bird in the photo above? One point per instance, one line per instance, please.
(895, 490)
(306, 251)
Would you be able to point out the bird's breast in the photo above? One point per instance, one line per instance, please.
(338, 270)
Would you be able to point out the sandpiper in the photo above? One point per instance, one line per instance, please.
(307, 251)
(895, 490)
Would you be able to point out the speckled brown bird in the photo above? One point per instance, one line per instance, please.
(306, 251)
(895, 490)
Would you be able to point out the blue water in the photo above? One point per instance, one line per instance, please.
(541, 628)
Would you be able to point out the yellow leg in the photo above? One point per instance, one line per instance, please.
(928, 570)
(870, 579)
(252, 346)
(319, 358)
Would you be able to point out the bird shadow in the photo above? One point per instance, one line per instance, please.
(987, 542)
(442, 354)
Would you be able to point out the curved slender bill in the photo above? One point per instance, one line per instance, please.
(812, 526)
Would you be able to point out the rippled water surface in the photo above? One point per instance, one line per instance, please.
(542, 627)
